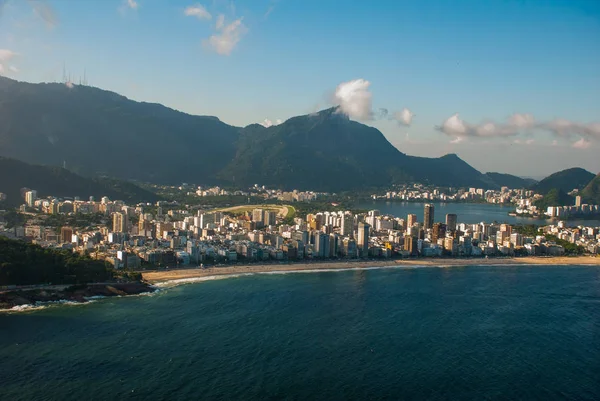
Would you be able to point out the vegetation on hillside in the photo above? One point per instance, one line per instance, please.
(511, 181)
(591, 193)
(28, 264)
(99, 132)
(565, 180)
(56, 181)
(555, 197)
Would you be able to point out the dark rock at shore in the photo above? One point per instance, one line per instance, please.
(75, 293)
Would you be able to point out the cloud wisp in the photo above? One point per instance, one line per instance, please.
(6, 56)
(227, 36)
(198, 11)
(132, 4)
(520, 124)
(43, 10)
(404, 117)
(355, 100)
(268, 123)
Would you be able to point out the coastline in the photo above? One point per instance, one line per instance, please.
(30, 299)
(159, 277)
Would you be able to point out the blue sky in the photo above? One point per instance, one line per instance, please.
(486, 60)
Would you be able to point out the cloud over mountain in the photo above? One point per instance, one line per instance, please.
(354, 99)
(520, 124)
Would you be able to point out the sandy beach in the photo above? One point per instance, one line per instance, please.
(179, 274)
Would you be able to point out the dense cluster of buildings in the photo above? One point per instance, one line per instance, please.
(577, 210)
(418, 192)
(255, 191)
(130, 236)
(526, 207)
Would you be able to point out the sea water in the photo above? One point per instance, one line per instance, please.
(500, 332)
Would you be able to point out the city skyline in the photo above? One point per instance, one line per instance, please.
(516, 77)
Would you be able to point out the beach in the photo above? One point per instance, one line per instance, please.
(181, 274)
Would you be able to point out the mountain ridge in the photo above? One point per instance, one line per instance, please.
(98, 132)
(564, 180)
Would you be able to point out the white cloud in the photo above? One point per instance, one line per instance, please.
(521, 120)
(582, 144)
(404, 116)
(566, 128)
(354, 99)
(197, 11)
(457, 140)
(227, 38)
(132, 4)
(268, 123)
(6, 54)
(524, 142)
(524, 124)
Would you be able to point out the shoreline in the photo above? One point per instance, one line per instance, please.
(30, 299)
(154, 277)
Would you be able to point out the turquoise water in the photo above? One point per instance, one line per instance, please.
(470, 213)
(473, 333)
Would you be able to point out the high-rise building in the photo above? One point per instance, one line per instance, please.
(120, 222)
(66, 234)
(347, 224)
(578, 200)
(437, 231)
(258, 216)
(30, 197)
(411, 219)
(428, 216)
(411, 244)
(363, 238)
(451, 219)
(321, 245)
(269, 218)
(506, 228)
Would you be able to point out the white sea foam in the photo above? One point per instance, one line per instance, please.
(180, 281)
(43, 305)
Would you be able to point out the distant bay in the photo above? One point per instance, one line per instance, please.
(470, 213)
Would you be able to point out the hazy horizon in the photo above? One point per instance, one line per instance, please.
(509, 86)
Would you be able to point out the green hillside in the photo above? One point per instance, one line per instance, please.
(56, 181)
(565, 180)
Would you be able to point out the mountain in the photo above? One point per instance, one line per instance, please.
(57, 181)
(591, 193)
(565, 180)
(96, 132)
(328, 151)
(511, 181)
(99, 132)
(555, 197)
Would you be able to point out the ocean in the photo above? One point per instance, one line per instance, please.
(420, 333)
(470, 213)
